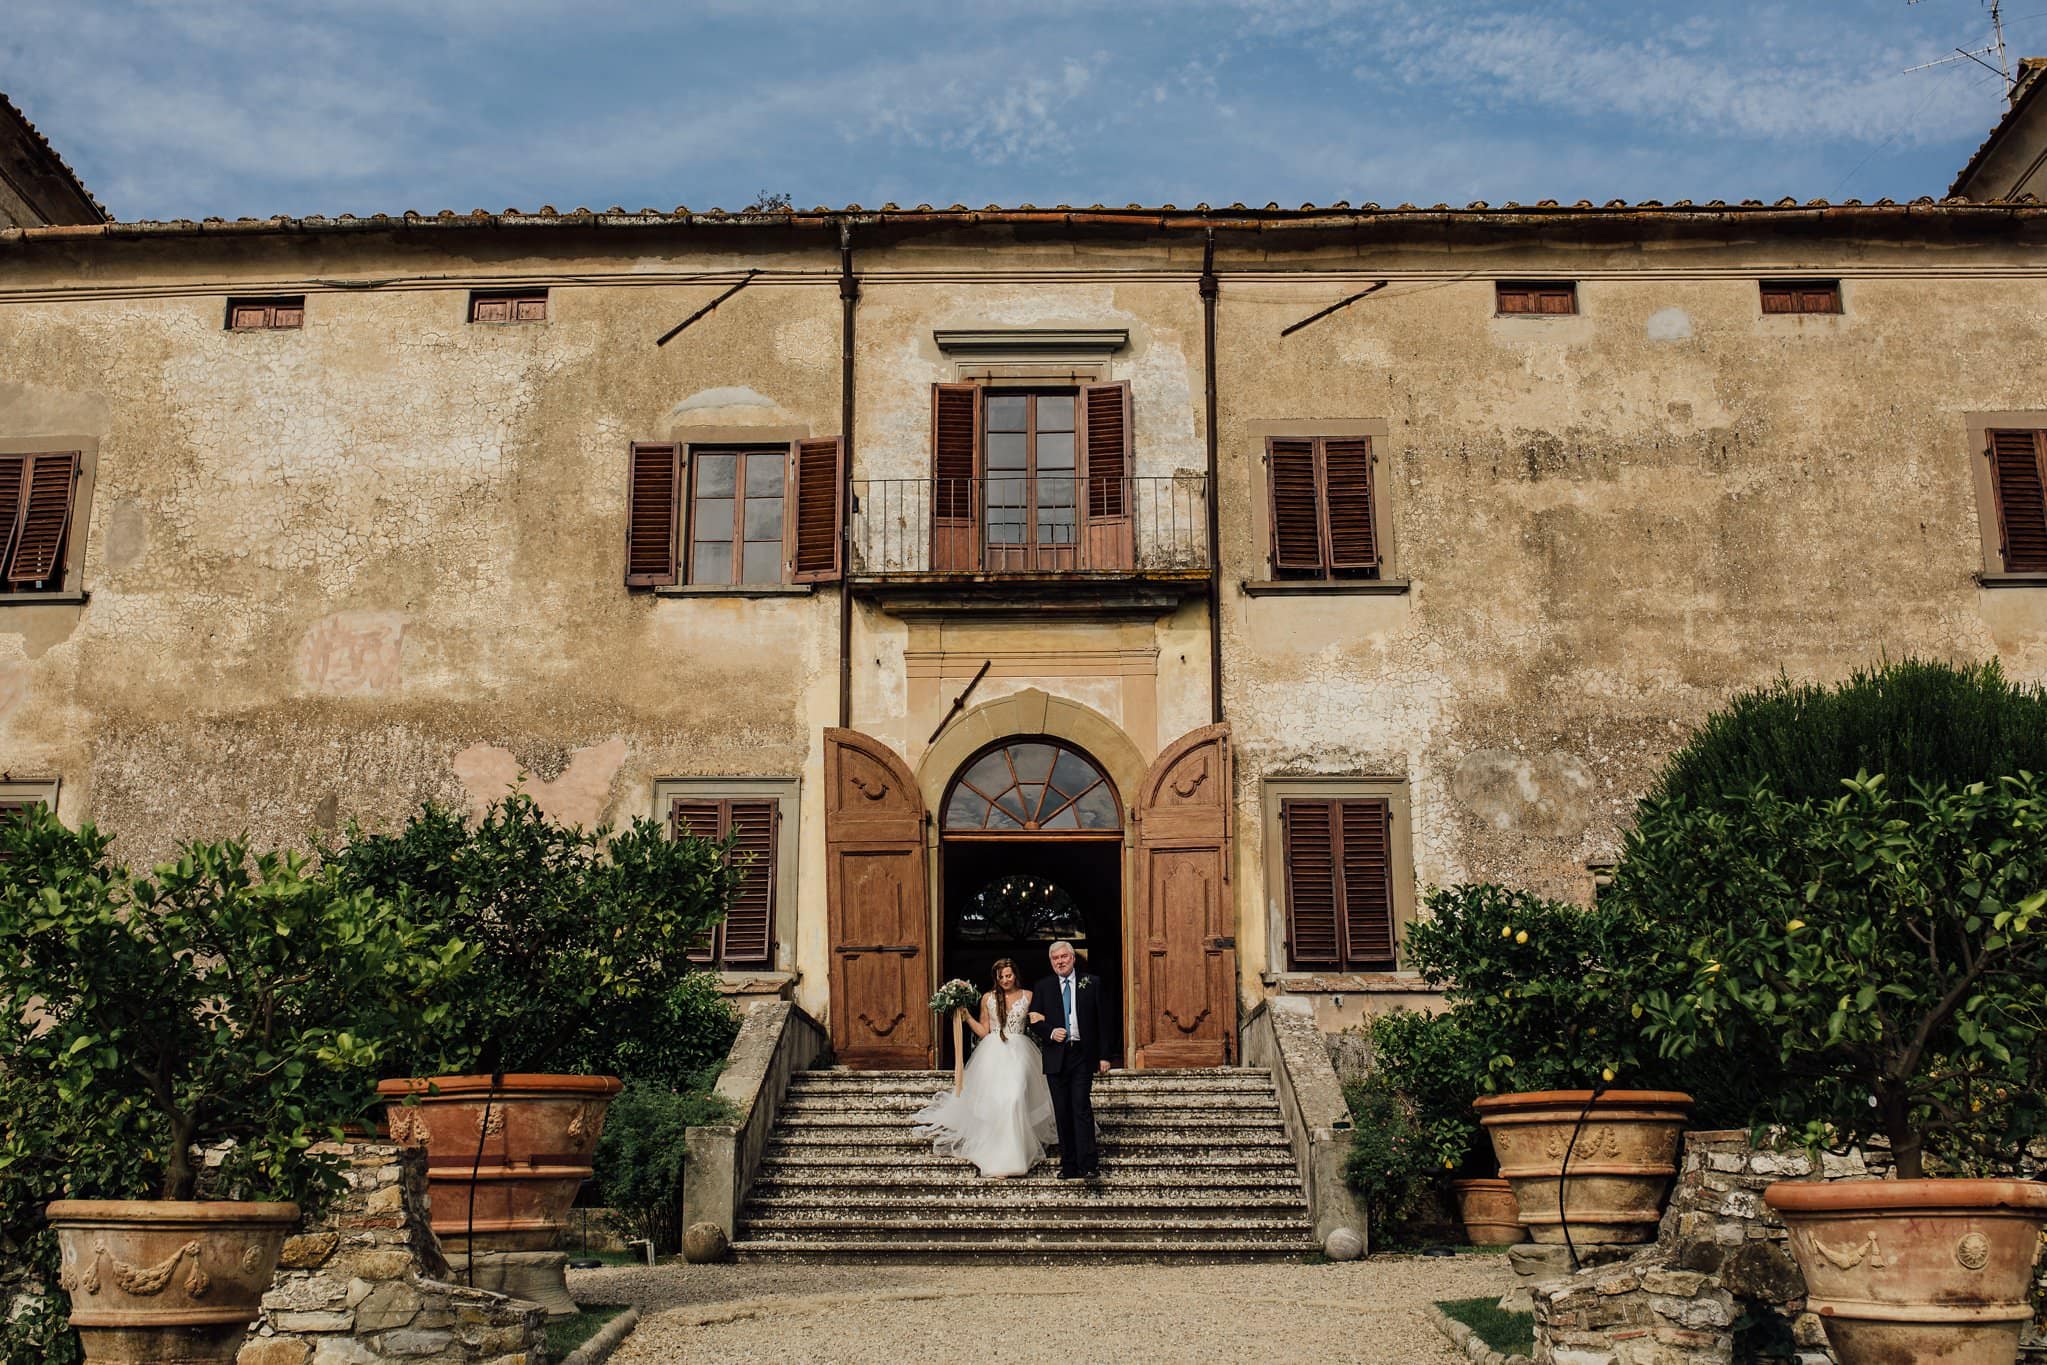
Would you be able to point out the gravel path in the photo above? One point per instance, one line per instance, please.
(1367, 1311)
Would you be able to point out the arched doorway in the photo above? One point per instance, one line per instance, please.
(1031, 851)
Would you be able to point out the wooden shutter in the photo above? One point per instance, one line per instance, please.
(653, 512)
(13, 472)
(750, 924)
(1106, 443)
(2015, 467)
(1296, 505)
(45, 517)
(1309, 837)
(816, 527)
(699, 820)
(530, 309)
(1559, 298)
(955, 461)
(1367, 882)
(1347, 482)
(490, 310)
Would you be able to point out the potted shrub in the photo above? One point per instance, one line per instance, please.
(229, 1003)
(1543, 993)
(1429, 1137)
(581, 935)
(1891, 963)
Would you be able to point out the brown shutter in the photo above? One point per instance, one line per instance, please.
(699, 820)
(1296, 505)
(45, 517)
(1367, 882)
(13, 474)
(955, 460)
(490, 310)
(816, 536)
(1106, 443)
(653, 509)
(1347, 479)
(289, 313)
(1309, 838)
(532, 309)
(750, 925)
(2021, 501)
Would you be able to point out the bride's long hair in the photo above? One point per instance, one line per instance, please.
(1001, 997)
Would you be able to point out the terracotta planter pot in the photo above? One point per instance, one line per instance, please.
(1620, 1168)
(166, 1279)
(502, 1168)
(1932, 1270)
(1489, 1212)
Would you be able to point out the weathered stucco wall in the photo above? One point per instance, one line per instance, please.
(336, 571)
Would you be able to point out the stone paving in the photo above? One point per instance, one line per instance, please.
(1367, 1311)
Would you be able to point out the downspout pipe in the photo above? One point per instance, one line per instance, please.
(1210, 289)
(849, 295)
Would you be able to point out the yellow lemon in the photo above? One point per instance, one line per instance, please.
(1506, 931)
(1712, 967)
(1521, 937)
(1449, 1165)
(1606, 1074)
(1793, 926)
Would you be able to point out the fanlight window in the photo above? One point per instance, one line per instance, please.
(1031, 785)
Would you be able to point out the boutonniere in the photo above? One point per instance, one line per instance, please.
(1085, 983)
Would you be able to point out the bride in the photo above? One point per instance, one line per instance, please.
(1001, 1119)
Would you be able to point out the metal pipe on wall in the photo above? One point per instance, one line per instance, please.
(1210, 289)
(849, 295)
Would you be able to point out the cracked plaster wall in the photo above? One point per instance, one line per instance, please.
(325, 563)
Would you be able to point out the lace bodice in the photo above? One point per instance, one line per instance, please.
(1019, 1006)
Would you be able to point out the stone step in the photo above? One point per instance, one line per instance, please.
(998, 1198)
(1113, 1143)
(926, 1082)
(1018, 1223)
(1233, 1171)
(1061, 1250)
(1194, 1134)
(1130, 1102)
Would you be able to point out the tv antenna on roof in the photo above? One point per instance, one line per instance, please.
(1996, 45)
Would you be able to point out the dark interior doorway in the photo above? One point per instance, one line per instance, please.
(1014, 898)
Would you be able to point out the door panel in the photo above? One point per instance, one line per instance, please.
(1186, 1010)
(877, 909)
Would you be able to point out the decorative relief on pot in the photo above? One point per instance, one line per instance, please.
(1847, 1258)
(1973, 1251)
(144, 1281)
(86, 1281)
(252, 1259)
(1594, 1144)
(579, 1123)
(408, 1126)
(490, 1121)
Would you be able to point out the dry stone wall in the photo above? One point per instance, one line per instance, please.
(365, 1282)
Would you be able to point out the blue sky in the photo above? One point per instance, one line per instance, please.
(171, 108)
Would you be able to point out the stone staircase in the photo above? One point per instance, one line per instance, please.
(1195, 1166)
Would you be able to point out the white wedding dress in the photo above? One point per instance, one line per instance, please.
(1001, 1119)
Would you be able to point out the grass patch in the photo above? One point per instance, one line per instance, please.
(1508, 1333)
(566, 1334)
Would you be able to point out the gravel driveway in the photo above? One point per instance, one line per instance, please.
(1363, 1311)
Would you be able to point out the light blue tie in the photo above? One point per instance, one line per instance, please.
(1066, 994)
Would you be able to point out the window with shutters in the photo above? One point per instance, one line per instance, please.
(1801, 296)
(266, 315)
(758, 817)
(17, 797)
(39, 501)
(1324, 514)
(2015, 460)
(1535, 298)
(508, 305)
(1339, 872)
(734, 516)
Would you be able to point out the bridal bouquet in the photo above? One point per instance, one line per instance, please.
(955, 995)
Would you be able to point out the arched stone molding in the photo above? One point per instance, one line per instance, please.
(1031, 712)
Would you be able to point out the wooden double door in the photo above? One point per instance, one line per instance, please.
(1180, 958)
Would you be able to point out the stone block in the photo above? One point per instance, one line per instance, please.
(304, 1293)
(275, 1351)
(1763, 1271)
(312, 1321)
(414, 1343)
(1573, 1356)
(373, 1264)
(387, 1306)
(1681, 1283)
(308, 1250)
(1809, 1329)
(343, 1351)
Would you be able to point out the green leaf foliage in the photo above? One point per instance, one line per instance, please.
(1917, 721)
(641, 1155)
(1875, 959)
(1412, 1125)
(582, 936)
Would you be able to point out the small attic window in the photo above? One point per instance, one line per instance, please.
(508, 305)
(266, 315)
(1536, 298)
(1801, 296)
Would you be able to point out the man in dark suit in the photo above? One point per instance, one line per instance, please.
(1068, 1006)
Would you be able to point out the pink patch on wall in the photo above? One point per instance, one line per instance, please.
(577, 797)
(13, 688)
(353, 653)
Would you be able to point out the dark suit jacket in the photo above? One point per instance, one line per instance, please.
(1087, 1010)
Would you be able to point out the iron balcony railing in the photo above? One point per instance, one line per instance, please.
(1038, 524)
